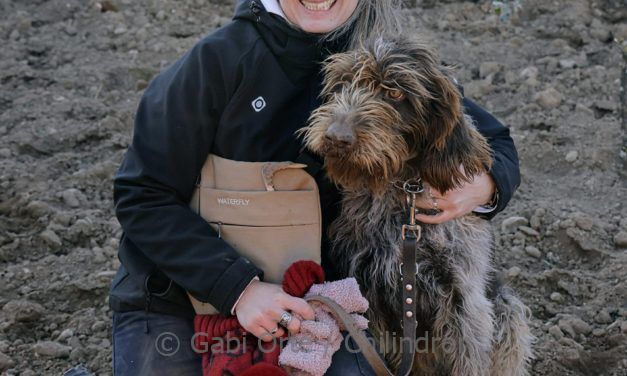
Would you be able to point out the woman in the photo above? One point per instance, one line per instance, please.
(240, 93)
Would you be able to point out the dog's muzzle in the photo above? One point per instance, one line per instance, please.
(340, 135)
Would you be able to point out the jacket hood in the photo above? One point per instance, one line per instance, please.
(297, 51)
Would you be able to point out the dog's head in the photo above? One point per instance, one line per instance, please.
(391, 111)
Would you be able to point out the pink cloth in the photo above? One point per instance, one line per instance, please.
(309, 352)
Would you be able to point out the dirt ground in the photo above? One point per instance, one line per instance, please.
(71, 75)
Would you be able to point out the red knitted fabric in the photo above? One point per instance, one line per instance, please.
(300, 276)
(226, 347)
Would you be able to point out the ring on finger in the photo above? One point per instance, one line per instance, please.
(274, 331)
(434, 201)
(285, 320)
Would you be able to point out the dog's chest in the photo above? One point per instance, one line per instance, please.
(369, 227)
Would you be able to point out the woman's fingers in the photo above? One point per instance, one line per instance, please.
(294, 325)
(271, 326)
(436, 219)
(263, 304)
(299, 306)
(262, 333)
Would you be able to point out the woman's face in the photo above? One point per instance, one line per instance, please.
(318, 16)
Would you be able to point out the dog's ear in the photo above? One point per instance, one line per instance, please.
(445, 110)
(464, 155)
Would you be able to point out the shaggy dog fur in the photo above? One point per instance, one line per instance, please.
(391, 112)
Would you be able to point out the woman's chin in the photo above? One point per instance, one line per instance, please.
(317, 26)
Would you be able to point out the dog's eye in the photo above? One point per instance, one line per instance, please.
(396, 94)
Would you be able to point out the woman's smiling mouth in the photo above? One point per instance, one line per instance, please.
(318, 6)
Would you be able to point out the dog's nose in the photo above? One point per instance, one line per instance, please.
(341, 134)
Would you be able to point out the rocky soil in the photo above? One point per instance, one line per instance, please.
(71, 74)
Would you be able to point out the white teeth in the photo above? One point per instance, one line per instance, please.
(325, 5)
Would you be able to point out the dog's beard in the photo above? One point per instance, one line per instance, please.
(375, 158)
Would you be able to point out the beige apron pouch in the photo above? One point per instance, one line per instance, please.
(259, 208)
(268, 211)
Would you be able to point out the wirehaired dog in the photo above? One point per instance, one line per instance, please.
(391, 113)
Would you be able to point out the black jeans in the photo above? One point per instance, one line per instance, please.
(159, 344)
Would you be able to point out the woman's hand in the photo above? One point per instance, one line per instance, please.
(261, 306)
(456, 202)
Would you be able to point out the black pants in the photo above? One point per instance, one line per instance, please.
(159, 344)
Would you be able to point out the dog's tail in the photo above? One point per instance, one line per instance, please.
(512, 350)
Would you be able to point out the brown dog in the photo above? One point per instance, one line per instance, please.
(392, 113)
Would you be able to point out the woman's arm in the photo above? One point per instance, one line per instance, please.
(174, 129)
(505, 170)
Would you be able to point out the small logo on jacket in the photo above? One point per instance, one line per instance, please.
(258, 104)
(233, 201)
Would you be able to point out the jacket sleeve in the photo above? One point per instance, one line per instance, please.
(505, 170)
(174, 129)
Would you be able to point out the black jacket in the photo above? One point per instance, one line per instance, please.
(204, 103)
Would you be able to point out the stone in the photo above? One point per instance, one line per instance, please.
(512, 223)
(65, 334)
(568, 63)
(120, 30)
(51, 238)
(620, 239)
(52, 349)
(606, 105)
(556, 297)
(556, 332)
(603, 317)
(567, 223)
(23, 310)
(98, 326)
(583, 221)
(5, 362)
(535, 222)
(528, 231)
(572, 156)
(548, 99)
(529, 73)
(584, 240)
(513, 272)
(570, 343)
(599, 332)
(72, 197)
(489, 67)
(566, 327)
(616, 340)
(77, 353)
(533, 251)
(580, 326)
(38, 209)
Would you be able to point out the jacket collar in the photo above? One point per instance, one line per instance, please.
(299, 53)
(273, 6)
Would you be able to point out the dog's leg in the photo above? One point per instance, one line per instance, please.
(512, 338)
(463, 324)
